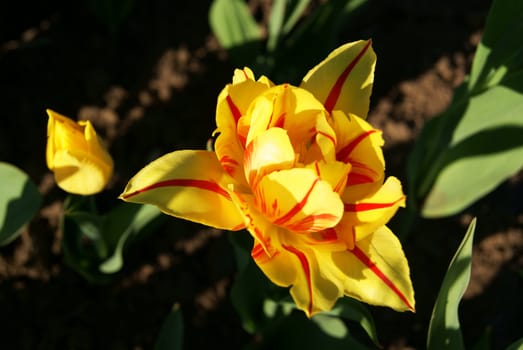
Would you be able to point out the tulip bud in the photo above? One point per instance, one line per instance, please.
(75, 154)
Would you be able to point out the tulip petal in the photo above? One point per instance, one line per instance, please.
(364, 217)
(377, 271)
(79, 172)
(190, 185)
(298, 200)
(343, 81)
(335, 173)
(235, 98)
(360, 145)
(299, 266)
(293, 109)
(233, 102)
(270, 151)
(230, 152)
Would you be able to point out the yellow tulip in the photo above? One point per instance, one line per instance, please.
(76, 156)
(303, 172)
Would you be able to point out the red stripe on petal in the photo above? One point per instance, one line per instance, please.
(308, 223)
(358, 253)
(238, 227)
(298, 207)
(280, 121)
(228, 164)
(330, 137)
(370, 206)
(306, 269)
(317, 169)
(344, 153)
(358, 179)
(233, 108)
(260, 254)
(335, 92)
(257, 252)
(201, 184)
(329, 234)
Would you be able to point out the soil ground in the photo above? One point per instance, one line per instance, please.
(151, 88)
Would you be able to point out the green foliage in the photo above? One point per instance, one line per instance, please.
(94, 244)
(290, 34)
(171, 333)
(268, 312)
(517, 345)
(444, 329)
(295, 331)
(235, 28)
(475, 144)
(19, 201)
(352, 310)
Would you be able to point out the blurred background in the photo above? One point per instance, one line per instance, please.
(147, 74)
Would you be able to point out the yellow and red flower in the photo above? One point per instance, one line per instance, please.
(76, 156)
(303, 172)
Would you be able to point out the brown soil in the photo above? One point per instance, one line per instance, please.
(151, 88)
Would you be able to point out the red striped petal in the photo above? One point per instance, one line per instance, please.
(358, 253)
(201, 184)
(306, 270)
(335, 92)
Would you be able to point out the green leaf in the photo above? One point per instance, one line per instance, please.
(500, 50)
(275, 24)
(94, 244)
(444, 328)
(475, 144)
(517, 345)
(313, 39)
(332, 326)
(236, 30)
(296, 331)
(485, 148)
(171, 333)
(19, 201)
(353, 310)
(83, 244)
(124, 223)
(297, 7)
(248, 293)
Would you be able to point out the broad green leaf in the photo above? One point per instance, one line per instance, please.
(122, 224)
(332, 326)
(275, 24)
(296, 9)
(83, 245)
(444, 328)
(313, 39)
(171, 332)
(485, 148)
(248, 293)
(353, 310)
(94, 244)
(236, 30)
(297, 332)
(475, 144)
(517, 345)
(19, 201)
(500, 50)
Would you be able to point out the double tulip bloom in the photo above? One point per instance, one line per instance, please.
(76, 156)
(303, 172)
